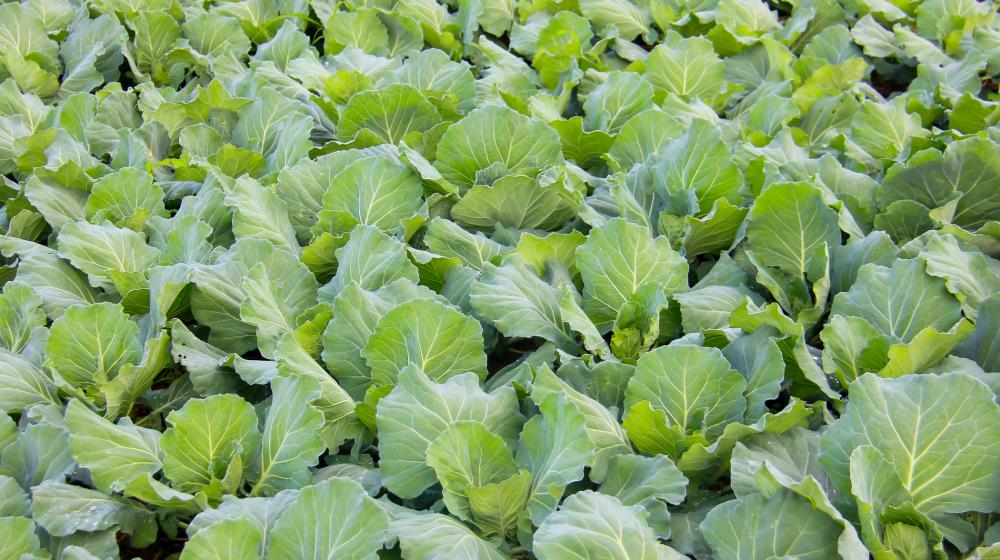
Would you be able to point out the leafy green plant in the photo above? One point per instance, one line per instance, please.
(603, 279)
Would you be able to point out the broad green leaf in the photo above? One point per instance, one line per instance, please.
(371, 191)
(85, 356)
(966, 170)
(622, 96)
(789, 225)
(593, 525)
(23, 384)
(262, 512)
(126, 198)
(943, 464)
(851, 347)
(555, 449)
(491, 142)
(276, 126)
(649, 482)
(884, 509)
(63, 509)
(783, 525)
(758, 357)
(600, 424)
(275, 297)
(694, 386)
(19, 538)
(617, 17)
(617, 260)
(497, 507)
(634, 479)
(425, 536)
(519, 303)
(437, 339)
(356, 312)
(418, 410)
(205, 437)
(699, 162)
(899, 301)
(885, 130)
(54, 280)
(370, 259)
(232, 539)
(432, 70)
(111, 257)
(688, 68)
(115, 454)
(467, 455)
(259, 214)
(41, 452)
(392, 113)
(514, 201)
(290, 442)
(332, 519)
(448, 239)
(981, 345)
(970, 276)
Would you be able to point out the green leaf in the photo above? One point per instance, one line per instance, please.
(41, 452)
(419, 410)
(966, 171)
(699, 162)
(648, 482)
(617, 260)
(275, 297)
(437, 339)
(448, 239)
(205, 437)
(371, 191)
(622, 96)
(371, 259)
(232, 539)
(617, 17)
(789, 225)
(115, 454)
(591, 525)
(694, 386)
(290, 442)
(600, 424)
(885, 130)
(970, 276)
(783, 525)
(23, 384)
(425, 536)
(126, 198)
(392, 113)
(111, 257)
(334, 518)
(519, 303)
(85, 356)
(899, 301)
(514, 201)
(494, 141)
(356, 313)
(943, 464)
(688, 68)
(54, 280)
(63, 509)
(980, 346)
(467, 455)
(19, 538)
(758, 357)
(259, 214)
(555, 449)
